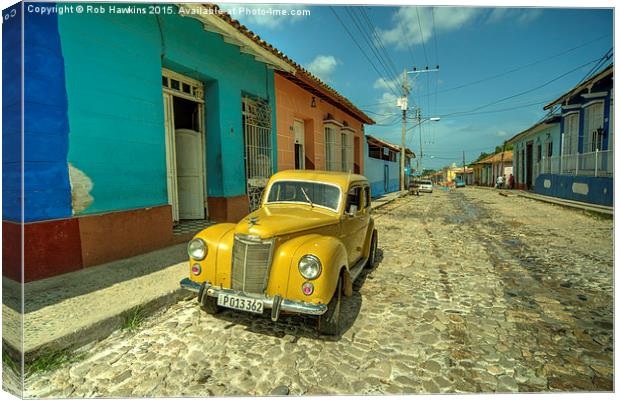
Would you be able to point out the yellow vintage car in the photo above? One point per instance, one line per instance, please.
(300, 252)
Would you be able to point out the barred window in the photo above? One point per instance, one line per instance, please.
(571, 133)
(593, 121)
(330, 149)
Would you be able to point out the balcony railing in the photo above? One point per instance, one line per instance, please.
(597, 163)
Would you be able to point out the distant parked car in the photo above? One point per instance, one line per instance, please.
(459, 183)
(426, 186)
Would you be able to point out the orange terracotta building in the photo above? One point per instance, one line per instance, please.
(317, 128)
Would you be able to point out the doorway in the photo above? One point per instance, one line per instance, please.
(185, 146)
(386, 178)
(300, 137)
(529, 154)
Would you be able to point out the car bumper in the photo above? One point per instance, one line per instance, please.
(291, 306)
(426, 190)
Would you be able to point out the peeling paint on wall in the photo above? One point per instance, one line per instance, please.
(81, 186)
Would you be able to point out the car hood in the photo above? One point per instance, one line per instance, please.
(275, 220)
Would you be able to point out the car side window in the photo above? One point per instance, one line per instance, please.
(364, 200)
(353, 200)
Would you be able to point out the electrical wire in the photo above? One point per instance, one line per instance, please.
(360, 48)
(524, 92)
(384, 62)
(531, 64)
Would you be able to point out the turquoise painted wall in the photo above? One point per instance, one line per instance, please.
(539, 138)
(115, 106)
(113, 77)
(228, 74)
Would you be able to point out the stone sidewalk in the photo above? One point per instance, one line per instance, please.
(73, 309)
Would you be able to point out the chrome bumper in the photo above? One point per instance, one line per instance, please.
(280, 304)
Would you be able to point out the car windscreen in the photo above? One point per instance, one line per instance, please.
(319, 194)
(426, 182)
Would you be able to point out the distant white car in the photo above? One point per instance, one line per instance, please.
(426, 186)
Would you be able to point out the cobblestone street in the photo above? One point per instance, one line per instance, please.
(475, 292)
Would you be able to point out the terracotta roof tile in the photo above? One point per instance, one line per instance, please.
(304, 72)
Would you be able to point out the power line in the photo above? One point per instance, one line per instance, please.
(524, 92)
(522, 66)
(360, 48)
(379, 41)
(383, 61)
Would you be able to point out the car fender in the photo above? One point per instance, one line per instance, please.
(369, 231)
(333, 257)
(219, 238)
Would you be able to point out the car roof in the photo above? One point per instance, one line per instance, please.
(342, 179)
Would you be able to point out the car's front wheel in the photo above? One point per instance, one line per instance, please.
(329, 323)
(209, 304)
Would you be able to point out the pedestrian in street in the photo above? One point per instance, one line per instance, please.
(499, 182)
(511, 181)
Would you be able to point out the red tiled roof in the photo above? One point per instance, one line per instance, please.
(383, 143)
(302, 74)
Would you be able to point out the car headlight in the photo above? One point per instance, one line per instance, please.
(310, 267)
(197, 249)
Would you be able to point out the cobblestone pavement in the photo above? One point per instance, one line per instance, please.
(475, 292)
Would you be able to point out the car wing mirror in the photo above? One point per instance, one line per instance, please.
(352, 212)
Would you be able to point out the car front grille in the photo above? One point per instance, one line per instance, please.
(251, 262)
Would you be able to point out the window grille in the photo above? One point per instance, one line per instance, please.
(330, 149)
(258, 148)
(593, 121)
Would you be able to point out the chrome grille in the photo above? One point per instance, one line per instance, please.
(251, 262)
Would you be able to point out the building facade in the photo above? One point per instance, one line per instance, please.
(534, 150)
(581, 167)
(316, 127)
(138, 131)
(382, 161)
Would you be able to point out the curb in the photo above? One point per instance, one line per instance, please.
(102, 328)
(385, 202)
(569, 203)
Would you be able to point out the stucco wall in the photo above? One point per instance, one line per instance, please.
(11, 114)
(292, 103)
(113, 73)
(586, 189)
(538, 138)
(46, 187)
(374, 171)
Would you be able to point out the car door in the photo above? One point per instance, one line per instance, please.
(352, 223)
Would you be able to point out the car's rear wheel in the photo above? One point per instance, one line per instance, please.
(329, 323)
(372, 255)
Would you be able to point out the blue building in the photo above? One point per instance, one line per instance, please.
(133, 122)
(575, 161)
(382, 165)
(534, 150)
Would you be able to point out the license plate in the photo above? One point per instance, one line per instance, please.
(240, 303)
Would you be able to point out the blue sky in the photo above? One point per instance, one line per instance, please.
(469, 44)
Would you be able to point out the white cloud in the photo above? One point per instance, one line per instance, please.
(382, 83)
(502, 133)
(406, 28)
(323, 66)
(263, 15)
(520, 15)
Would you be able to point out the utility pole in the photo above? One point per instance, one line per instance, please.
(464, 171)
(403, 106)
(418, 116)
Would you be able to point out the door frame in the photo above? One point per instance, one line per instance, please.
(302, 142)
(529, 164)
(196, 94)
